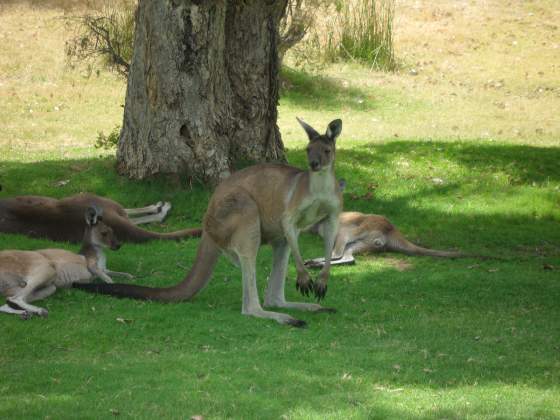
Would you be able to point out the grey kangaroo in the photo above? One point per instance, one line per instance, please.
(27, 276)
(266, 203)
(361, 233)
(62, 220)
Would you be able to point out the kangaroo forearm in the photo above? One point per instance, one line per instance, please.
(294, 248)
(117, 273)
(97, 272)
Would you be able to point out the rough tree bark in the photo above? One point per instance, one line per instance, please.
(202, 89)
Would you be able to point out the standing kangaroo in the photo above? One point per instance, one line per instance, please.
(360, 233)
(62, 220)
(26, 276)
(267, 203)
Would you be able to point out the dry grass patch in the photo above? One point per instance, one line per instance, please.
(47, 107)
(470, 70)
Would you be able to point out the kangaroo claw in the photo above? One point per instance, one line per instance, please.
(320, 290)
(305, 288)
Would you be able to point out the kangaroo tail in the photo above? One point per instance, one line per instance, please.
(200, 274)
(128, 232)
(397, 242)
(180, 234)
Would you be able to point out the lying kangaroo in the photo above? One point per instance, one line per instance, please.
(267, 203)
(26, 276)
(62, 220)
(360, 233)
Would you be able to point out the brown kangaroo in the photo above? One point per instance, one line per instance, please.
(361, 233)
(62, 220)
(266, 203)
(26, 276)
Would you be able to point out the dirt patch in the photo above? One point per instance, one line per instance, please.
(397, 264)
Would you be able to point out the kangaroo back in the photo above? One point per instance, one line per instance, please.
(62, 220)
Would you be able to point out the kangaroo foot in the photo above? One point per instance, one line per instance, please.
(25, 316)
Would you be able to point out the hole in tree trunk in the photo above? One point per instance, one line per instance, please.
(186, 135)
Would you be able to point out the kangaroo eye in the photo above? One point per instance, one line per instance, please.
(327, 151)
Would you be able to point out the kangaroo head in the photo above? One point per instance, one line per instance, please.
(321, 147)
(98, 233)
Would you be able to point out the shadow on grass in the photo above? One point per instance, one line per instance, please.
(312, 92)
(62, 178)
(524, 164)
(451, 326)
(531, 170)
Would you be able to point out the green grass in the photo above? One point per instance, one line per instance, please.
(441, 339)
(413, 337)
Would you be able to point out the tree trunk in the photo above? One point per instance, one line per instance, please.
(202, 89)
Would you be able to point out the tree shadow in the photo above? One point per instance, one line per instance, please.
(308, 91)
(524, 164)
(62, 178)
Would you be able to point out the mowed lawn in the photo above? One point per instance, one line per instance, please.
(455, 166)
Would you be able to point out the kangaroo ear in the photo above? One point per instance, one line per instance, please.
(93, 215)
(334, 129)
(311, 132)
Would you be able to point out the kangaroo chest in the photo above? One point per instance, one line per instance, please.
(313, 210)
(70, 268)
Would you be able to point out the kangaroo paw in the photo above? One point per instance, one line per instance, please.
(304, 284)
(320, 290)
(25, 316)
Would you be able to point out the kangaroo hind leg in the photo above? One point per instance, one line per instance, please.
(151, 209)
(244, 224)
(275, 292)
(39, 286)
(155, 213)
(9, 310)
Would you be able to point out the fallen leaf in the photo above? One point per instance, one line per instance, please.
(61, 183)
(124, 321)
(438, 181)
